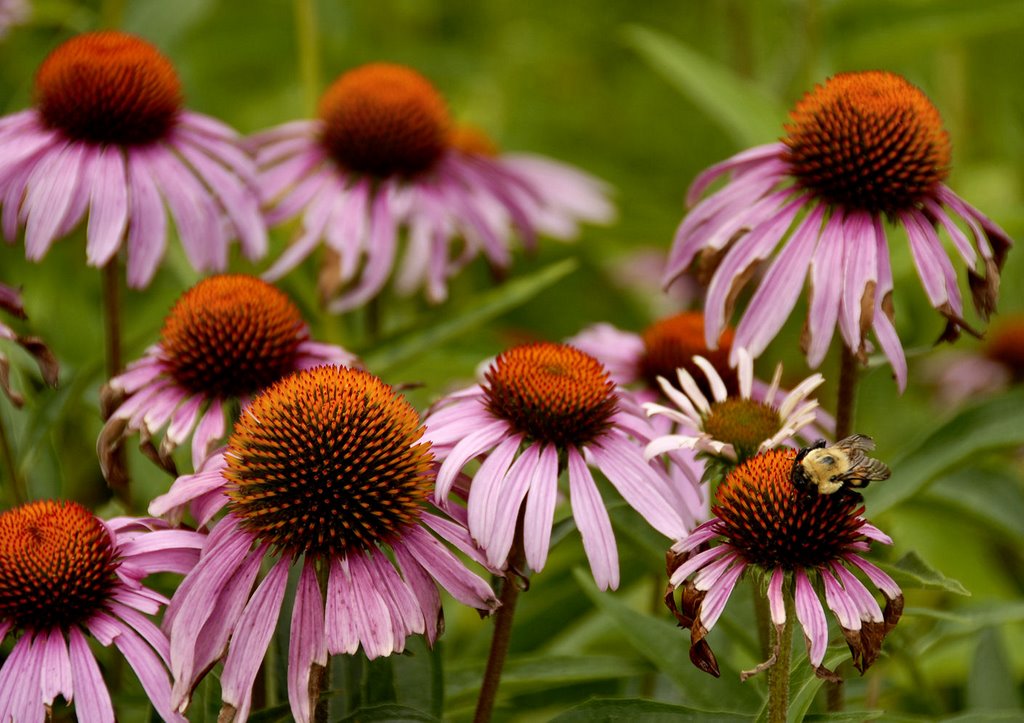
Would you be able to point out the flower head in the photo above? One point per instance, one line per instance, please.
(542, 408)
(859, 148)
(733, 427)
(109, 138)
(382, 158)
(962, 375)
(10, 301)
(763, 523)
(326, 467)
(226, 338)
(65, 574)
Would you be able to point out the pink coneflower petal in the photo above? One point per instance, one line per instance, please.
(444, 567)
(508, 493)
(751, 248)
(51, 187)
(307, 644)
(56, 667)
(593, 523)
(108, 206)
(718, 595)
(866, 604)
(92, 701)
(147, 232)
(471, 446)
(776, 600)
(540, 508)
(701, 559)
(487, 483)
(860, 271)
(151, 671)
(812, 618)
(209, 431)
(17, 701)
(425, 590)
(839, 602)
(251, 637)
(884, 583)
(826, 289)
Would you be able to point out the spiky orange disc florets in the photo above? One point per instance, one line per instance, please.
(231, 336)
(326, 461)
(56, 565)
(552, 393)
(671, 344)
(762, 514)
(383, 119)
(868, 141)
(108, 87)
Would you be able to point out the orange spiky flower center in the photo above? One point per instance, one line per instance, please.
(773, 524)
(327, 461)
(472, 141)
(671, 344)
(384, 120)
(231, 336)
(552, 393)
(57, 565)
(1006, 345)
(108, 87)
(743, 423)
(870, 141)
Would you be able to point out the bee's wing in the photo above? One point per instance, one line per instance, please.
(856, 444)
(866, 470)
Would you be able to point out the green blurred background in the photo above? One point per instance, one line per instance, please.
(644, 95)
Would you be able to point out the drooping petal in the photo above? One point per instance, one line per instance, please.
(592, 520)
(812, 618)
(92, 700)
(307, 645)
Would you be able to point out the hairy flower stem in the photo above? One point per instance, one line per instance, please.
(119, 482)
(763, 616)
(502, 630)
(778, 674)
(308, 43)
(846, 402)
(19, 492)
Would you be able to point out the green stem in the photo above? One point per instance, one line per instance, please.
(502, 631)
(778, 674)
(19, 491)
(763, 616)
(846, 401)
(308, 42)
(120, 484)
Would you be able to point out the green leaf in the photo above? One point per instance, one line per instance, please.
(605, 710)
(389, 712)
(537, 673)
(444, 325)
(996, 423)
(804, 684)
(667, 648)
(991, 495)
(991, 683)
(910, 571)
(741, 108)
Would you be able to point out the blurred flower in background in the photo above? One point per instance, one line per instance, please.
(109, 138)
(958, 376)
(13, 12)
(543, 408)
(66, 574)
(858, 148)
(10, 301)
(380, 158)
(225, 339)
(327, 466)
(803, 545)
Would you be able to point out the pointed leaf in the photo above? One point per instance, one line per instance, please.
(910, 571)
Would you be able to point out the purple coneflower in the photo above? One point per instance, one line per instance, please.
(861, 147)
(325, 468)
(10, 301)
(379, 159)
(225, 339)
(728, 425)
(763, 524)
(108, 136)
(541, 408)
(554, 196)
(65, 574)
(959, 376)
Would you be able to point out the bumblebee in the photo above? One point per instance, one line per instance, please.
(830, 468)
